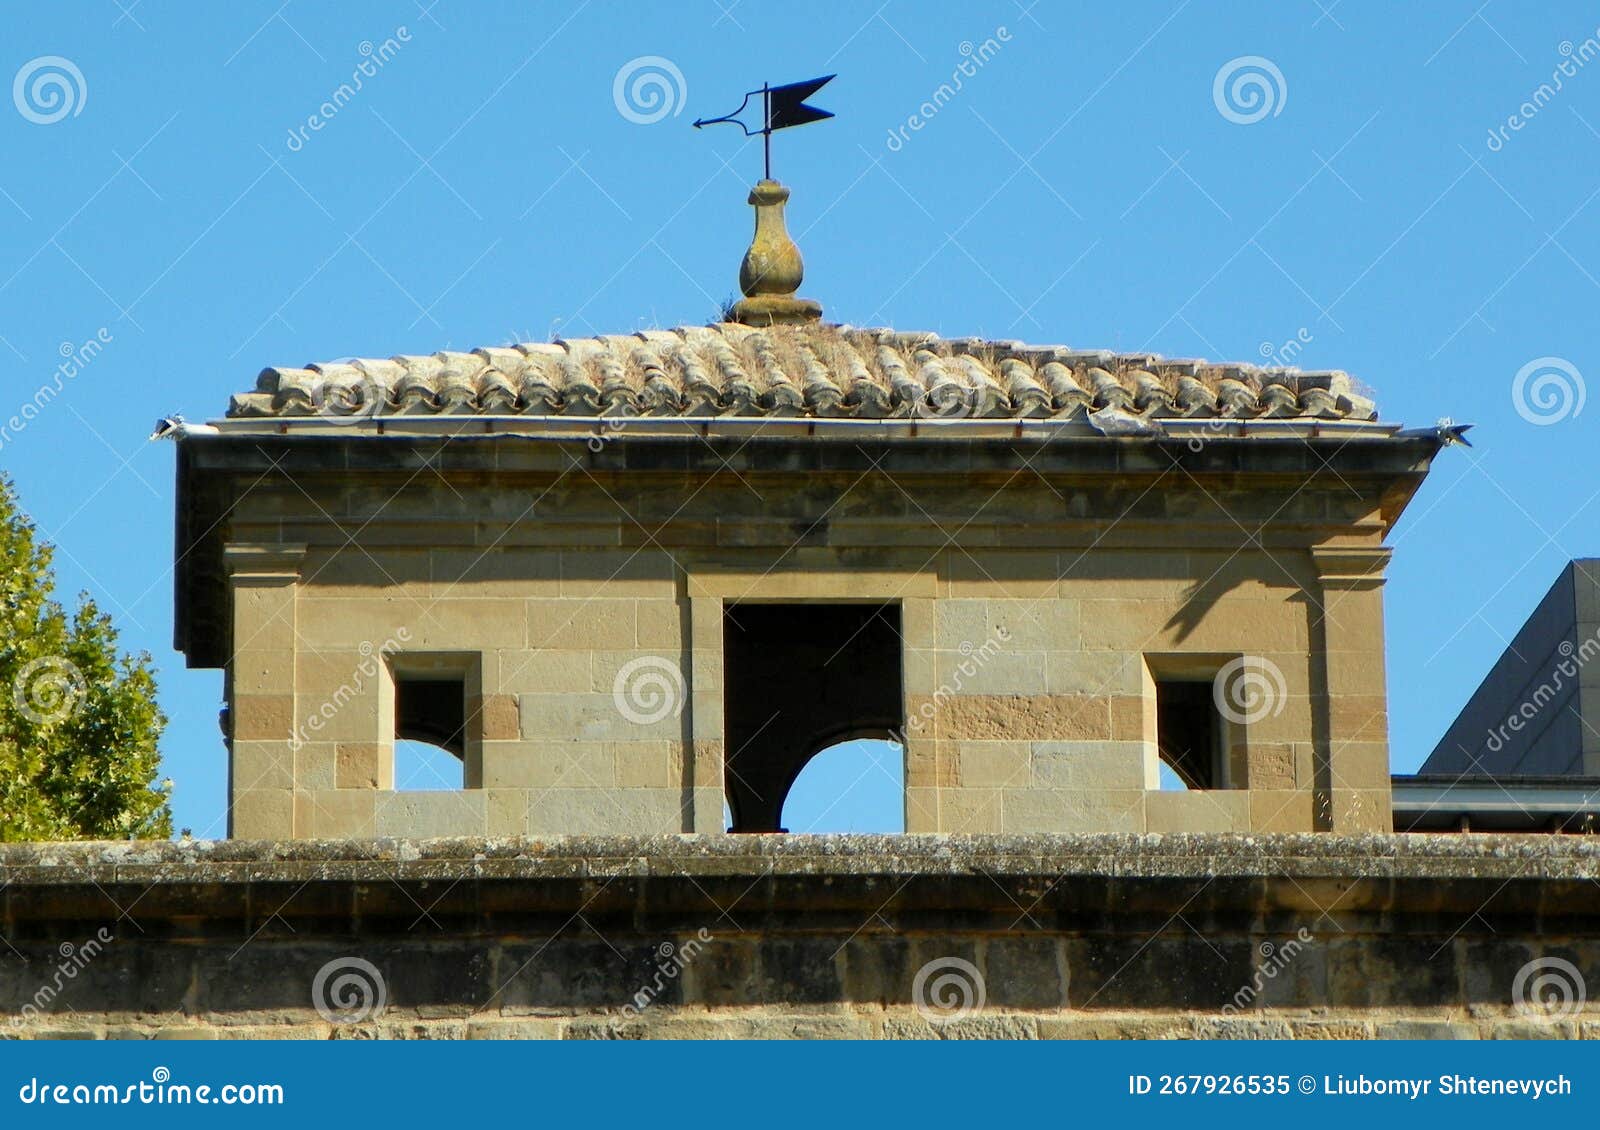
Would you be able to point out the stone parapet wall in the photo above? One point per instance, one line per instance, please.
(1289, 936)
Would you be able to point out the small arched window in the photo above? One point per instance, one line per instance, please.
(421, 766)
(852, 786)
(431, 723)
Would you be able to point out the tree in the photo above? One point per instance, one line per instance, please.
(78, 722)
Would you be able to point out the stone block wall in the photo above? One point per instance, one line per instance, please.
(584, 618)
(843, 937)
(572, 678)
(1043, 715)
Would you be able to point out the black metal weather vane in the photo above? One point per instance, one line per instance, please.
(782, 107)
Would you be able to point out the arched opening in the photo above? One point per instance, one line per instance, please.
(799, 679)
(430, 723)
(1170, 781)
(420, 765)
(1188, 735)
(853, 786)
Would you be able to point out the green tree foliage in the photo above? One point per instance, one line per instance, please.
(78, 723)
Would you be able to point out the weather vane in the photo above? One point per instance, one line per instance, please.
(782, 106)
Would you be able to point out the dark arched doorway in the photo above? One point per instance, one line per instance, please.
(797, 679)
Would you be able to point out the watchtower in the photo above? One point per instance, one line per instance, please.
(630, 579)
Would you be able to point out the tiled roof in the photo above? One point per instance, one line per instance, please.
(798, 371)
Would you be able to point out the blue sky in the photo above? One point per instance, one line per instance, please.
(1085, 186)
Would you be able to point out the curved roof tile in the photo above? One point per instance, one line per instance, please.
(813, 370)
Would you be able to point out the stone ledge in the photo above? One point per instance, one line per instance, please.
(1074, 936)
(1108, 855)
(1382, 882)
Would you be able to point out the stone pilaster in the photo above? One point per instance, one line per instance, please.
(705, 752)
(1349, 703)
(261, 705)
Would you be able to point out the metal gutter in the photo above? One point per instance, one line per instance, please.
(1509, 803)
(607, 427)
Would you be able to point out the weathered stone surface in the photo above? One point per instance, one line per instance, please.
(1130, 1027)
(1025, 972)
(1035, 622)
(519, 1029)
(1425, 1030)
(1075, 937)
(966, 1028)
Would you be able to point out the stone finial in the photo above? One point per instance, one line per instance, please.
(772, 269)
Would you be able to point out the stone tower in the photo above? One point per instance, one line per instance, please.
(630, 579)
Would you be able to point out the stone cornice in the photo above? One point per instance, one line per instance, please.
(1377, 860)
(1351, 567)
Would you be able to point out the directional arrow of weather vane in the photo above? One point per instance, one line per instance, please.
(782, 106)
